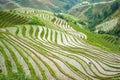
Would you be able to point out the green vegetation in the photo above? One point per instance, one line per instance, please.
(17, 76)
(97, 18)
(98, 13)
(7, 61)
(36, 21)
(115, 31)
(70, 3)
(115, 78)
(10, 18)
(19, 67)
(99, 39)
(94, 38)
(41, 45)
(56, 6)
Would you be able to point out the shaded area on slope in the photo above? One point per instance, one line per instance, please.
(11, 18)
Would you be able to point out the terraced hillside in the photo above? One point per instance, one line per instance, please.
(84, 7)
(107, 26)
(53, 52)
(51, 5)
(93, 14)
(11, 18)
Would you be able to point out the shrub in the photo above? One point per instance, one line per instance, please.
(36, 21)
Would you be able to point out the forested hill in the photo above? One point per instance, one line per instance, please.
(51, 5)
(101, 17)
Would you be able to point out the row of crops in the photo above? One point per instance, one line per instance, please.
(54, 54)
(107, 26)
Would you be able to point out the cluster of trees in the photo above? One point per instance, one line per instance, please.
(36, 21)
(115, 31)
(97, 0)
(22, 1)
(70, 3)
(67, 19)
(59, 15)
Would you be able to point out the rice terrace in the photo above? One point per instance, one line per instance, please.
(59, 39)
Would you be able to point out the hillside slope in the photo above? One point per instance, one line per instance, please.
(101, 17)
(84, 6)
(51, 5)
(49, 47)
(110, 25)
